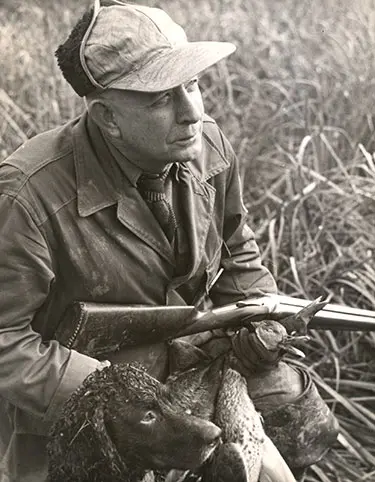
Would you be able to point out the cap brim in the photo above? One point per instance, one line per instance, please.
(174, 67)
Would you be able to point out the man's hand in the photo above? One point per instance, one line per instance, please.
(264, 345)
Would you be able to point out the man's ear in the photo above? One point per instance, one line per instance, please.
(103, 115)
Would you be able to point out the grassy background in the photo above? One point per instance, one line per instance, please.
(296, 102)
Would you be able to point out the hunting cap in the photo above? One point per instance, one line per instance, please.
(134, 47)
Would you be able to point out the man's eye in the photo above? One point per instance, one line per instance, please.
(163, 99)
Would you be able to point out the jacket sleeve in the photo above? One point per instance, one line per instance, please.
(34, 376)
(244, 275)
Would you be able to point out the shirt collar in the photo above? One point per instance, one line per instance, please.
(132, 171)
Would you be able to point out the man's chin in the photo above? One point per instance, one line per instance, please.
(190, 154)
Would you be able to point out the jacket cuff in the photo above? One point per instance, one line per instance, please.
(303, 429)
(78, 367)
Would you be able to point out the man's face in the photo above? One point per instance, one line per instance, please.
(156, 129)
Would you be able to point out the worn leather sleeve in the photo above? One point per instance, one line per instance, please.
(34, 376)
(296, 418)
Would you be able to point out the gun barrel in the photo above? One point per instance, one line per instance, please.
(337, 321)
(331, 317)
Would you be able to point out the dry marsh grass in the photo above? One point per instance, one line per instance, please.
(296, 102)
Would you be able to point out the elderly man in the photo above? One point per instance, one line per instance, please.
(137, 201)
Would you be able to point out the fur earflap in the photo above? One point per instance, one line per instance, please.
(67, 55)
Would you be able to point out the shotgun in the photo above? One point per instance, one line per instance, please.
(99, 328)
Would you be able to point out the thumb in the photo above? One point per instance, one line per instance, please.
(274, 468)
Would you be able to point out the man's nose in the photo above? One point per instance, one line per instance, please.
(189, 107)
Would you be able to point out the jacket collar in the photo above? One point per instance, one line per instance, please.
(212, 160)
(98, 183)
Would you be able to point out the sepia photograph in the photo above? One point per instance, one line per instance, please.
(187, 241)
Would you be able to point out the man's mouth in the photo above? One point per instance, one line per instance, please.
(186, 140)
